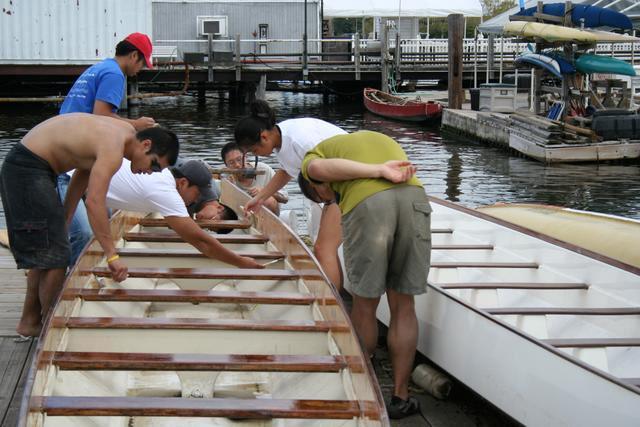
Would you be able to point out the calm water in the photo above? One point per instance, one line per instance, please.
(451, 167)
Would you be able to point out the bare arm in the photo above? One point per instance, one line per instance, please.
(191, 233)
(102, 108)
(76, 189)
(332, 170)
(279, 180)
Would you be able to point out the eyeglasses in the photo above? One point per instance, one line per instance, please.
(155, 166)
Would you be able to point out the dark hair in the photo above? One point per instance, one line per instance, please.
(307, 191)
(261, 117)
(163, 142)
(124, 48)
(228, 214)
(229, 146)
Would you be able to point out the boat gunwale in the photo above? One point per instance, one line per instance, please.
(575, 361)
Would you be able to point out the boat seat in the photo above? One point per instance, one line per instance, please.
(186, 253)
(577, 311)
(593, 342)
(207, 224)
(461, 264)
(513, 285)
(174, 237)
(461, 247)
(210, 273)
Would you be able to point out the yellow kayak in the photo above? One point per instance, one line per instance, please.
(608, 235)
(553, 33)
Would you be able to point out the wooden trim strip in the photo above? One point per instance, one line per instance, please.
(461, 247)
(166, 236)
(206, 224)
(441, 230)
(198, 323)
(456, 264)
(593, 342)
(588, 311)
(188, 253)
(632, 381)
(206, 273)
(216, 407)
(193, 296)
(513, 285)
(71, 360)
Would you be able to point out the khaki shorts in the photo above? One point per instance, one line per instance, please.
(387, 243)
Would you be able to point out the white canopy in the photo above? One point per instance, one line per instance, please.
(631, 8)
(408, 8)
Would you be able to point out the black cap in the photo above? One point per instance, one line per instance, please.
(197, 173)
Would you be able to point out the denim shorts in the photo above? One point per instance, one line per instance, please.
(34, 213)
(387, 242)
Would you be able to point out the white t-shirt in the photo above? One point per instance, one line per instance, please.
(300, 136)
(261, 180)
(145, 193)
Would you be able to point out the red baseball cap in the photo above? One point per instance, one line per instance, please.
(143, 44)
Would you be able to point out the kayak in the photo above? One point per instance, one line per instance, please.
(540, 61)
(589, 63)
(592, 16)
(553, 33)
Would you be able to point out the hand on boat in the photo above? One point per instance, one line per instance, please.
(246, 262)
(252, 205)
(143, 123)
(397, 171)
(119, 270)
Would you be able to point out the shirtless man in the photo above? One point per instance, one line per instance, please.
(37, 221)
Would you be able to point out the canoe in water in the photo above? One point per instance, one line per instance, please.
(400, 108)
(588, 63)
(187, 340)
(557, 33)
(592, 16)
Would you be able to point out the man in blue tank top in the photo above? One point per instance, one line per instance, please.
(99, 90)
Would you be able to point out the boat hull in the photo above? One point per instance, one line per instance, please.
(556, 33)
(410, 111)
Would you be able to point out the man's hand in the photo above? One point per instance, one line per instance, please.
(211, 210)
(254, 191)
(253, 205)
(246, 262)
(119, 270)
(143, 123)
(397, 171)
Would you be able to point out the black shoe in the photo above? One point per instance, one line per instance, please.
(399, 408)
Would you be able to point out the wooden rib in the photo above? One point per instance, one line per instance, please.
(632, 381)
(590, 311)
(456, 264)
(86, 361)
(513, 285)
(208, 273)
(188, 253)
(461, 247)
(192, 296)
(207, 223)
(441, 230)
(198, 323)
(215, 407)
(174, 237)
(593, 342)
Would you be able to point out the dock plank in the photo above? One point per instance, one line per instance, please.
(15, 359)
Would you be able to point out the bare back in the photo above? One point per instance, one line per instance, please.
(76, 141)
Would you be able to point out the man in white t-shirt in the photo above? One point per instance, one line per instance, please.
(168, 193)
(233, 157)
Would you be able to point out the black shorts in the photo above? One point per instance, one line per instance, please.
(34, 213)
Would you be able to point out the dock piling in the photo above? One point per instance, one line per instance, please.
(456, 27)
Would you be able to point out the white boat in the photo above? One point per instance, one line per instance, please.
(190, 341)
(548, 334)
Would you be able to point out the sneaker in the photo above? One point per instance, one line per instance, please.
(399, 408)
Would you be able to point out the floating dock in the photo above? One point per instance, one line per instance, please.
(553, 144)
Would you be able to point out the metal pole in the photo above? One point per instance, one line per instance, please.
(475, 60)
(501, 56)
(305, 70)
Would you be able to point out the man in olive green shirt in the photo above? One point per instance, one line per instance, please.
(387, 239)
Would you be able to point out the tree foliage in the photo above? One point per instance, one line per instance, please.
(492, 8)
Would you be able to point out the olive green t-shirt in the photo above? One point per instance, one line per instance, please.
(365, 147)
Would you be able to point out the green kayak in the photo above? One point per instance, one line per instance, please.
(589, 64)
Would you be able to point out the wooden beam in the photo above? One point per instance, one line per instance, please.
(209, 273)
(457, 264)
(577, 311)
(193, 296)
(216, 407)
(513, 285)
(188, 253)
(174, 237)
(593, 342)
(460, 247)
(208, 223)
(198, 323)
(87, 361)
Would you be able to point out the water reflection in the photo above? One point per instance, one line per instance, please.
(451, 167)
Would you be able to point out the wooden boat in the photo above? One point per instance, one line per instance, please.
(546, 331)
(399, 108)
(607, 235)
(557, 33)
(186, 340)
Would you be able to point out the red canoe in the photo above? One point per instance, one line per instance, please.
(399, 108)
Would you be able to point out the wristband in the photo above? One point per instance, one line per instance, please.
(113, 258)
